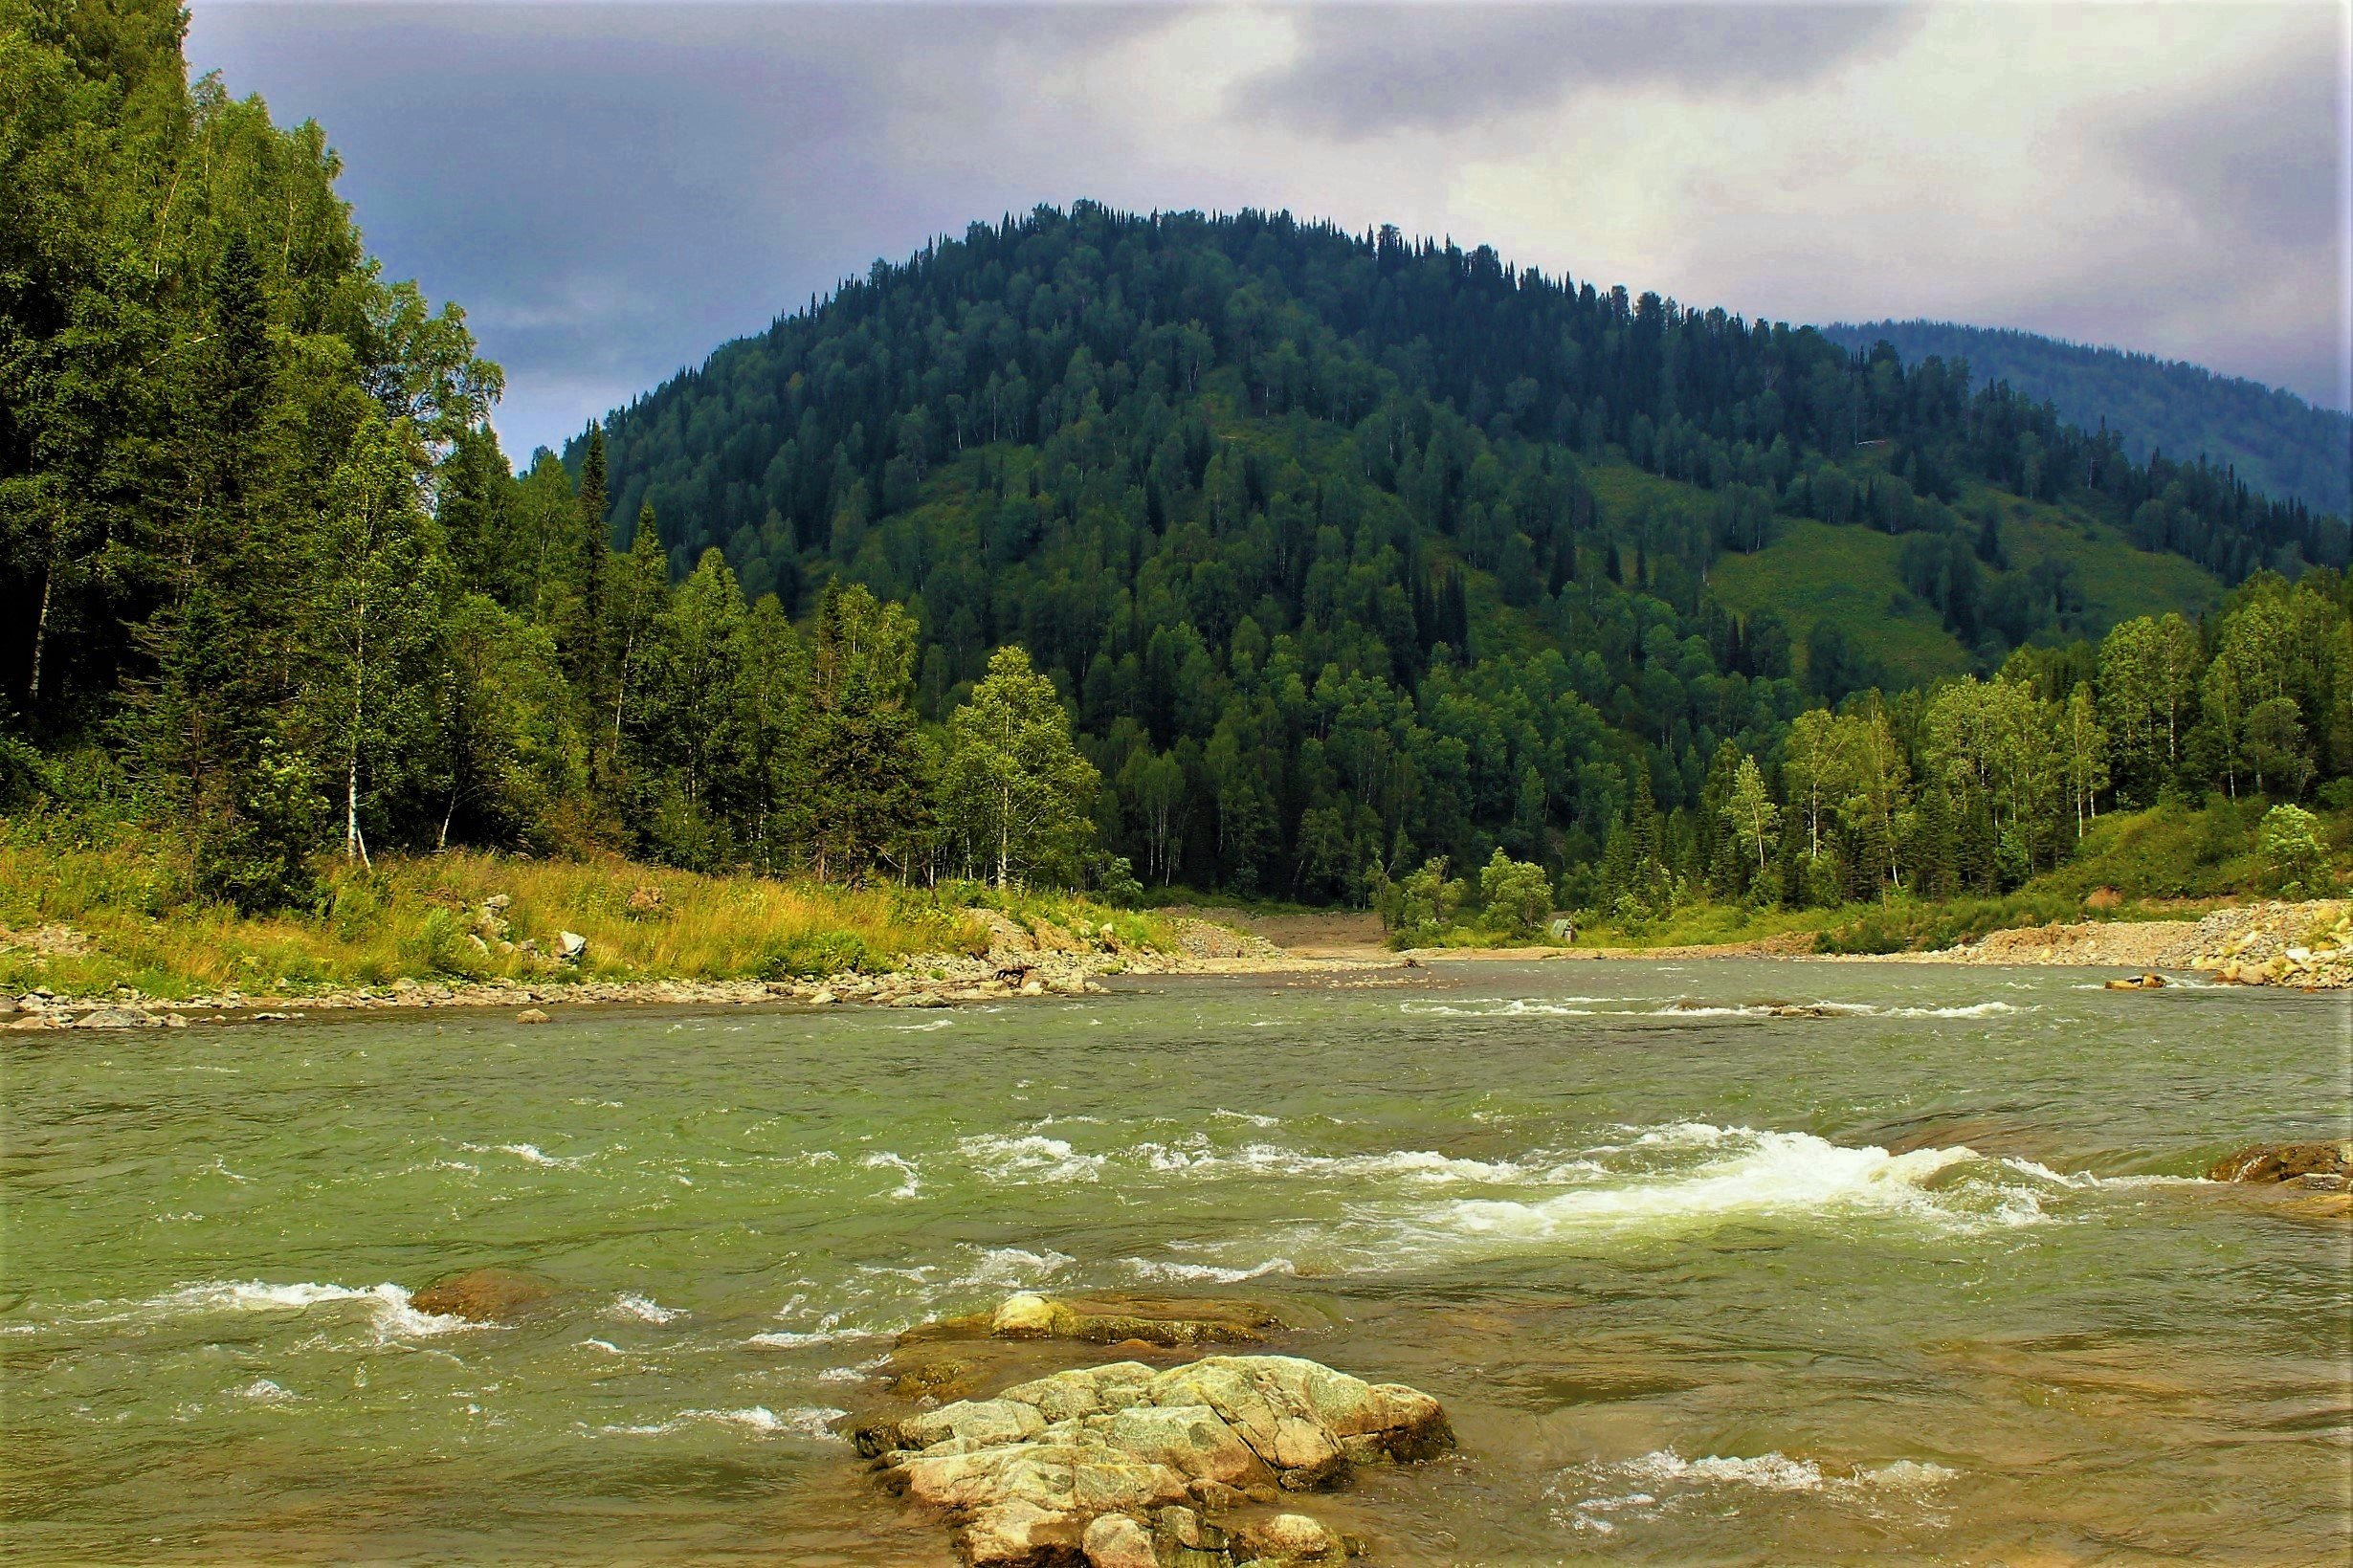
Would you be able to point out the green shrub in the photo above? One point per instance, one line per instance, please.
(2294, 857)
(815, 954)
(1518, 895)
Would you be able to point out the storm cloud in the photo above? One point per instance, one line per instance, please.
(611, 190)
(1367, 71)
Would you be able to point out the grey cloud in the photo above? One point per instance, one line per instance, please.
(613, 190)
(2257, 158)
(1363, 71)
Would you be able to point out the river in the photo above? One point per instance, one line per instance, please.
(1925, 1281)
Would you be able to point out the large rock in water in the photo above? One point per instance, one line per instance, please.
(481, 1296)
(2287, 1163)
(1097, 1464)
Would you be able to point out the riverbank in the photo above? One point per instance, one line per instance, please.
(110, 937)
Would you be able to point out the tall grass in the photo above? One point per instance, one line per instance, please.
(131, 916)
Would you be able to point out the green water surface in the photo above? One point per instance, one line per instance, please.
(1922, 1282)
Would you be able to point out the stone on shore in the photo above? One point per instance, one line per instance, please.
(1069, 1467)
(482, 1296)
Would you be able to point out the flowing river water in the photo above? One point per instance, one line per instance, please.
(1925, 1281)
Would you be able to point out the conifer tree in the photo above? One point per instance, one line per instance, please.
(591, 544)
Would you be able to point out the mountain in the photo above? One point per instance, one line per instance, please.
(1369, 542)
(2277, 442)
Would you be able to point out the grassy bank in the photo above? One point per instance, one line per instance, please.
(86, 909)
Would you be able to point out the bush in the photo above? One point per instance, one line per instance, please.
(813, 955)
(1518, 895)
(1422, 901)
(2293, 855)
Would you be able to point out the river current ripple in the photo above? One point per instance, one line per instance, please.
(1929, 1279)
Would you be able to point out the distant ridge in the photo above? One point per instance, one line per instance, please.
(2280, 444)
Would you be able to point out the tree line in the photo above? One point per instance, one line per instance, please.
(1974, 785)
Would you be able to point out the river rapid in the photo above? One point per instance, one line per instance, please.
(1929, 1280)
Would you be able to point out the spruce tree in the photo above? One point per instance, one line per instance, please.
(591, 544)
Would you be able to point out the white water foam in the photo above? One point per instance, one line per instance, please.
(1565, 1007)
(530, 1154)
(1030, 1157)
(644, 1308)
(828, 1332)
(1759, 1173)
(388, 1305)
(2041, 1172)
(805, 1421)
(1167, 1271)
(1196, 1156)
(1011, 1267)
(909, 1187)
(1594, 1006)
(1663, 1479)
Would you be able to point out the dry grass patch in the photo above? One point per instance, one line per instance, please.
(121, 910)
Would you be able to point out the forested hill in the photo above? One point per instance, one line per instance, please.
(2278, 443)
(1346, 540)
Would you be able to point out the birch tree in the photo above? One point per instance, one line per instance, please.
(371, 619)
(1750, 813)
(1017, 790)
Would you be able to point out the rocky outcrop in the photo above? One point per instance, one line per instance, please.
(482, 1296)
(1125, 1466)
(2325, 1167)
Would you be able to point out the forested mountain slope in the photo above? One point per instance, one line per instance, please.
(2278, 443)
(1340, 544)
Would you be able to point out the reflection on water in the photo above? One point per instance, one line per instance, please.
(1910, 1267)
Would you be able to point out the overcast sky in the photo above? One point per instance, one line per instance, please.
(613, 189)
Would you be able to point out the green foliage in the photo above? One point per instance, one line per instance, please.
(1015, 790)
(1422, 906)
(2293, 853)
(813, 955)
(1515, 896)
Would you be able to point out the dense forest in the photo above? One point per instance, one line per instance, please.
(2275, 441)
(1089, 547)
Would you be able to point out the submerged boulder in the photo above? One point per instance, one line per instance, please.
(1115, 1466)
(2331, 1164)
(1111, 1320)
(482, 1296)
